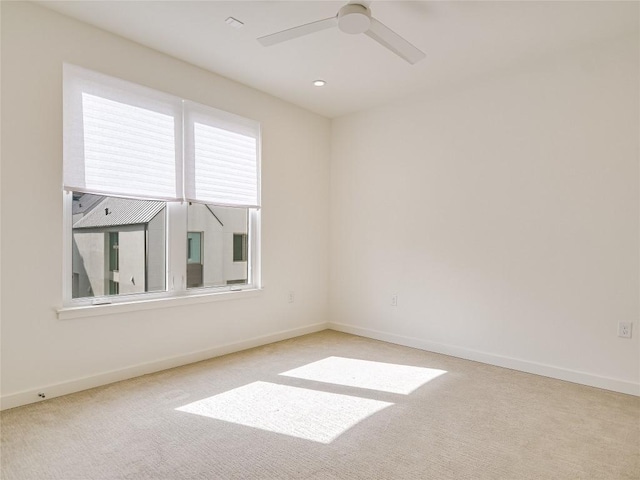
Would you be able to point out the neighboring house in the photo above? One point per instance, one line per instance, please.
(217, 246)
(119, 246)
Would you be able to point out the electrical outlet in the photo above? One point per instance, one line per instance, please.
(394, 300)
(291, 297)
(624, 329)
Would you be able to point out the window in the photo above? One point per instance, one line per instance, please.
(114, 287)
(113, 252)
(194, 250)
(194, 259)
(239, 247)
(143, 172)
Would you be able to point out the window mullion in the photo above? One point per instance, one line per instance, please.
(67, 254)
(255, 275)
(177, 248)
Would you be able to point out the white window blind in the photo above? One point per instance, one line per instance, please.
(123, 139)
(120, 139)
(221, 157)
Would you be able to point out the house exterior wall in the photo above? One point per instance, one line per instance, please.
(156, 254)
(217, 242)
(235, 222)
(131, 270)
(201, 220)
(91, 260)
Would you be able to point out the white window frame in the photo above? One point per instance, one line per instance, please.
(176, 256)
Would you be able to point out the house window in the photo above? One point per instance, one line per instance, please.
(194, 247)
(239, 247)
(143, 171)
(113, 252)
(114, 287)
(194, 259)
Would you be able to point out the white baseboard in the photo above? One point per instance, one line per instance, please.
(613, 384)
(72, 386)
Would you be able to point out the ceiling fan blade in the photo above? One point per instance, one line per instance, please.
(296, 32)
(394, 42)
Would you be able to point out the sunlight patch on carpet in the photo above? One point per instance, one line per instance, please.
(297, 412)
(384, 377)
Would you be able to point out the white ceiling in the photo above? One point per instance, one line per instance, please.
(461, 39)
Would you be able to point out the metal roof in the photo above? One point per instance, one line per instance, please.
(114, 211)
(85, 202)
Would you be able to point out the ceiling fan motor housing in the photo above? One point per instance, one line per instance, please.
(354, 18)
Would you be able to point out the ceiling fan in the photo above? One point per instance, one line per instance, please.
(352, 18)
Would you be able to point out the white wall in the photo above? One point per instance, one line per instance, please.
(504, 214)
(41, 352)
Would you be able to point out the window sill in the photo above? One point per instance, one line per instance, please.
(67, 313)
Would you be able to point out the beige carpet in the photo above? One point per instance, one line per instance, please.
(347, 408)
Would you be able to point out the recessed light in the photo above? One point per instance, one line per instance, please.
(319, 83)
(233, 22)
